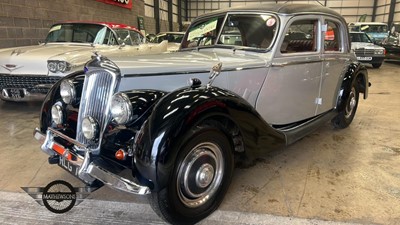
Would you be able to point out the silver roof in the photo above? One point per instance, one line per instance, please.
(284, 9)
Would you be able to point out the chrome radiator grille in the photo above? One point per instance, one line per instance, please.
(98, 88)
(33, 83)
(363, 51)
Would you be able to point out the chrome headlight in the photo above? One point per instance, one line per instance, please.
(379, 51)
(67, 91)
(62, 66)
(57, 114)
(121, 108)
(52, 66)
(90, 128)
(58, 66)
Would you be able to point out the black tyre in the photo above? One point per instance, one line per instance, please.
(346, 116)
(376, 65)
(201, 176)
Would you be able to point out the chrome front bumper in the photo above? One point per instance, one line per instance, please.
(28, 96)
(88, 171)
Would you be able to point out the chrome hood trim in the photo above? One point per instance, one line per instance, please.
(189, 62)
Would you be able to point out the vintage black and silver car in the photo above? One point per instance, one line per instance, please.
(178, 121)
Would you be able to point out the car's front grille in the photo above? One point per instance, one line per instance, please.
(98, 88)
(32, 83)
(364, 52)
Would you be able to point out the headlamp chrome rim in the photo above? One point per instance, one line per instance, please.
(90, 128)
(379, 51)
(57, 114)
(62, 66)
(68, 91)
(56, 66)
(52, 66)
(125, 108)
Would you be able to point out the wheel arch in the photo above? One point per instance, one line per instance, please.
(356, 72)
(159, 139)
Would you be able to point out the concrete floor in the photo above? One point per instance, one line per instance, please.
(350, 175)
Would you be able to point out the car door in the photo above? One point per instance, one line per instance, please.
(335, 61)
(292, 86)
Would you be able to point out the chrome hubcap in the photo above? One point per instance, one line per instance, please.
(200, 174)
(204, 175)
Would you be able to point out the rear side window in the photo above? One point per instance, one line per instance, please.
(301, 37)
(332, 38)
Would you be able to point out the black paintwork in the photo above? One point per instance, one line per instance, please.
(53, 96)
(163, 118)
(392, 51)
(142, 101)
(159, 140)
(356, 72)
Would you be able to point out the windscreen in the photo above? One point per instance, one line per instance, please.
(247, 30)
(79, 33)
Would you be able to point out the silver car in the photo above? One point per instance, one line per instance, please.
(179, 121)
(28, 72)
(366, 51)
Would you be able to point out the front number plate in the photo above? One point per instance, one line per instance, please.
(15, 93)
(365, 58)
(68, 166)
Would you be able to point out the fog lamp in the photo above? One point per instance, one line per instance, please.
(90, 128)
(57, 114)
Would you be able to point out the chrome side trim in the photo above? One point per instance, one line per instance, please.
(88, 171)
(295, 63)
(190, 72)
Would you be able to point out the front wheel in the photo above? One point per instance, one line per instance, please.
(200, 179)
(346, 116)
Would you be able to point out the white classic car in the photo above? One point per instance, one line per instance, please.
(174, 39)
(27, 73)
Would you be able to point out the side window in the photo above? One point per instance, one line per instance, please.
(332, 37)
(231, 36)
(136, 38)
(301, 36)
(124, 36)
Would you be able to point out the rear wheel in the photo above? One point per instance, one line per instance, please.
(346, 116)
(201, 177)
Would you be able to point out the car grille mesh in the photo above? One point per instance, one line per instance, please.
(98, 88)
(364, 52)
(33, 83)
